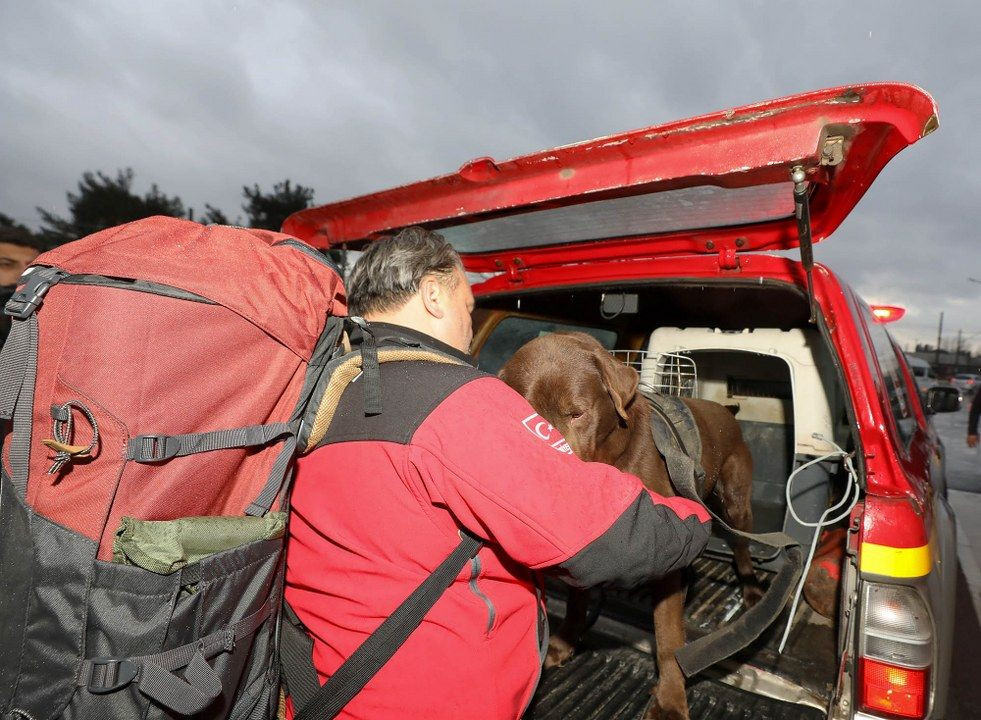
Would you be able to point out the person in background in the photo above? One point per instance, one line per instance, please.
(18, 249)
(972, 420)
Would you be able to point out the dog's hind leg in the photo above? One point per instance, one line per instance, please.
(736, 489)
(562, 644)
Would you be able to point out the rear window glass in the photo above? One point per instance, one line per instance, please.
(918, 371)
(892, 376)
(704, 206)
(513, 332)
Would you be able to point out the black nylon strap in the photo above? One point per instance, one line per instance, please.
(13, 365)
(277, 477)
(733, 637)
(18, 366)
(683, 482)
(696, 656)
(383, 643)
(18, 373)
(159, 448)
(296, 654)
(371, 374)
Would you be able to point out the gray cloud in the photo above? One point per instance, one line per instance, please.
(204, 97)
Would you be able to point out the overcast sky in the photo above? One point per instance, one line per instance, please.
(203, 97)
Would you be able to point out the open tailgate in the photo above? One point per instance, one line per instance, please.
(715, 183)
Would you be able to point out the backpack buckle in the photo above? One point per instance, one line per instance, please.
(155, 448)
(28, 299)
(110, 674)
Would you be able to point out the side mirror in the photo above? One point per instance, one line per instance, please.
(943, 400)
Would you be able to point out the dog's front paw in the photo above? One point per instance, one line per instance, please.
(668, 701)
(656, 712)
(558, 652)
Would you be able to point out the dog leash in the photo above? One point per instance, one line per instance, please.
(729, 639)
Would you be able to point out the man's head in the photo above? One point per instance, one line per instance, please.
(414, 279)
(18, 248)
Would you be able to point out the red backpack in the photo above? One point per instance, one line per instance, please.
(159, 378)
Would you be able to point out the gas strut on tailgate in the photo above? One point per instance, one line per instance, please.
(802, 211)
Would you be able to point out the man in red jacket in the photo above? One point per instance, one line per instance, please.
(381, 502)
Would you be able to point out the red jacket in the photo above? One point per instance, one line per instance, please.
(378, 506)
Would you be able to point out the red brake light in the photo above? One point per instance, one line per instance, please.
(887, 313)
(891, 689)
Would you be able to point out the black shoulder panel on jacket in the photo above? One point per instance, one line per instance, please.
(410, 391)
(646, 542)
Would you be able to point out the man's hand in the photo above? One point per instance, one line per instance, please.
(972, 441)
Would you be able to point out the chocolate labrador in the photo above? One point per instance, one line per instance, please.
(592, 399)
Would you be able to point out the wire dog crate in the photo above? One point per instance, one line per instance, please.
(665, 373)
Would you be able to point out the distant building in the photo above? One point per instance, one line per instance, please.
(949, 363)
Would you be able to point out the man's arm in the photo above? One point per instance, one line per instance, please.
(972, 420)
(508, 476)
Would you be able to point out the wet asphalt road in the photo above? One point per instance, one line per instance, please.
(963, 463)
(964, 493)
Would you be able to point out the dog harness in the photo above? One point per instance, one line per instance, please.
(679, 442)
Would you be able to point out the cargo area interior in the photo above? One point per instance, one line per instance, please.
(755, 351)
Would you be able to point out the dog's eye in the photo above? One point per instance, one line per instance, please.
(574, 414)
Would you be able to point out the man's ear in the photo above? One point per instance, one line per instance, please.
(620, 381)
(433, 296)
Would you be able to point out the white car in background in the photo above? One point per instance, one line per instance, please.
(967, 383)
(923, 373)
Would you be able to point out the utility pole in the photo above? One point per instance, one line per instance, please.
(940, 331)
(957, 355)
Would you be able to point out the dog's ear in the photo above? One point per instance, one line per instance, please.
(620, 381)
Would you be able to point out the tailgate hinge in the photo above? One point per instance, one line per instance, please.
(728, 258)
(802, 212)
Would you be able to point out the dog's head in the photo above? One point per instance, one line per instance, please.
(578, 387)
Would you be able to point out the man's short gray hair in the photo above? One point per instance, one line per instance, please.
(390, 270)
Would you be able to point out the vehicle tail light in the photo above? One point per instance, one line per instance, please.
(887, 313)
(892, 689)
(896, 651)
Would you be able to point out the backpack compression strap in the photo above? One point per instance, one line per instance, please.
(729, 639)
(328, 700)
(156, 676)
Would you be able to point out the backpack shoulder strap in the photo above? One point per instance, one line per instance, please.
(341, 371)
(18, 366)
(18, 371)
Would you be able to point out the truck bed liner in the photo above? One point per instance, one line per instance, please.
(714, 598)
(611, 674)
(614, 684)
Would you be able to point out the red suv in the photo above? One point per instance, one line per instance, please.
(653, 241)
